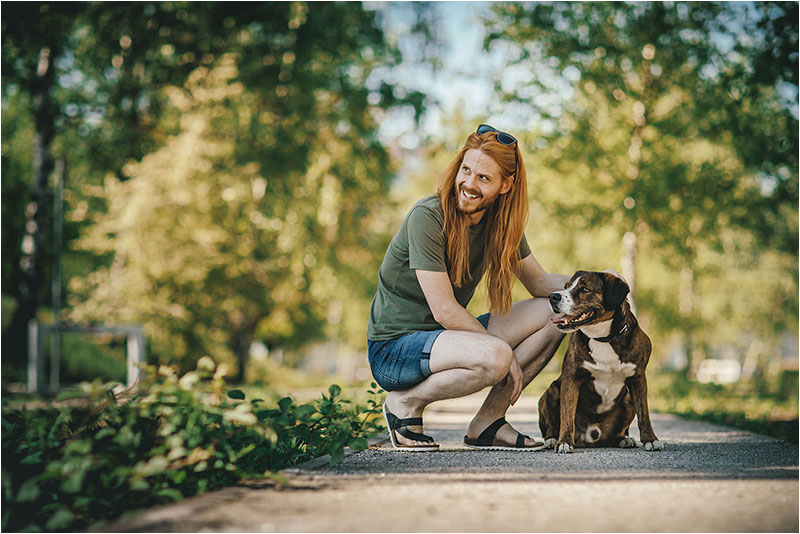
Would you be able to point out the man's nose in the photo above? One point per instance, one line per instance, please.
(472, 181)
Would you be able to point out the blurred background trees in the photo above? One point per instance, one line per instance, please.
(674, 143)
(231, 183)
(220, 150)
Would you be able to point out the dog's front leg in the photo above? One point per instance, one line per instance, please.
(569, 403)
(638, 388)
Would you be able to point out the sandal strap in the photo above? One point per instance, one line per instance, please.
(399, 425)
(487, 436)
(395, 422)
(521, 440)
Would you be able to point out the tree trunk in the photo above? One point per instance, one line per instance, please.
(15, 342)
(629, 265)
(242, 339)
(686, 309)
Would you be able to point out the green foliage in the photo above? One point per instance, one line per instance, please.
(260, 120)
(17, 139)
(85, 359)
(675, 123)
(258, 207)
(102, 453)
(661, 125)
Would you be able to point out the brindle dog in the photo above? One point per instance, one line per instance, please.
(602, 383)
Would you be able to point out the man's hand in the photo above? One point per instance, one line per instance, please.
(538, 282)
(515, 376)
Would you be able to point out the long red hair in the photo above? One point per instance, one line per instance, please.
(505, 220)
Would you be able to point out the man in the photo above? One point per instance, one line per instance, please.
(423, 344)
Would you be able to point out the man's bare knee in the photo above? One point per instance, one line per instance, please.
(496, 360)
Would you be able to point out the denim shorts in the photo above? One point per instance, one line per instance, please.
(404, 362)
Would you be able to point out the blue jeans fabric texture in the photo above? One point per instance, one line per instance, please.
(404, 362)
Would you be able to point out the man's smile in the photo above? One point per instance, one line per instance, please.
(470, 196)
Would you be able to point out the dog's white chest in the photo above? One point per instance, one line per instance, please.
(609, 373)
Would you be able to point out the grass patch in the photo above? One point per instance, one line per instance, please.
(756, 406)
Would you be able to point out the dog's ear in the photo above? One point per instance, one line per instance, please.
(615, 290)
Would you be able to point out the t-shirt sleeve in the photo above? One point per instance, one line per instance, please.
(524, 248)
(426, 242)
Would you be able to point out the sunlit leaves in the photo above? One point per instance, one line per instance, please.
(667, 132)
(252, 220)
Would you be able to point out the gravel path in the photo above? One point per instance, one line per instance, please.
(709, 479)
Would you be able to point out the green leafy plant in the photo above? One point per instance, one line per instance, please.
(105, 453)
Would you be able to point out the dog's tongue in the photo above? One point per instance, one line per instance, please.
(558, 318)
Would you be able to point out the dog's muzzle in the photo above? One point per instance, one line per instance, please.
(555, 302)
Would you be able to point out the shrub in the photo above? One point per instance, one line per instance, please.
(105, 453)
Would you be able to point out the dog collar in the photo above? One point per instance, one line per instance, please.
(610, 338)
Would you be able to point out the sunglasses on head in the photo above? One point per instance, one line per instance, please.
(503, 138)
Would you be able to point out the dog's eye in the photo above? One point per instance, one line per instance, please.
(585, 290)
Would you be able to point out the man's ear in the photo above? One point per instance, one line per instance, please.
(615, 290)
(506, 185)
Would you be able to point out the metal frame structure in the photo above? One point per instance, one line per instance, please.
(36, 337)
(37, 332)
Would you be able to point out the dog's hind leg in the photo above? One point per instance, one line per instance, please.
(626, 442)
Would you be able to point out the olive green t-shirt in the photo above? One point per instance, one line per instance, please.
(399, 306)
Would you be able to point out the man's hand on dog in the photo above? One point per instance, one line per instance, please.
(515, 376)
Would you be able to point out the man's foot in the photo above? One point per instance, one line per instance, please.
(501, 436)
(405, 436)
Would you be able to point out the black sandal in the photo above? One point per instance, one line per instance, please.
(487, 440)
(395, 424)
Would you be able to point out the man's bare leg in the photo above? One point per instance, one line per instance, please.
(461, 364)
(526, 328)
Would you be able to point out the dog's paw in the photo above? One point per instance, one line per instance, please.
(654, 445)
(550, 443)
(564, 448)
(628, 443)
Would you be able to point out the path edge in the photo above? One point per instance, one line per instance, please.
(323, 461)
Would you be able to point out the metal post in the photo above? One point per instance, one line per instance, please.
(58, 233)
(35, 362)
(135, 355)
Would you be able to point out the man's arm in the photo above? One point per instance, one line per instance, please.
(453, 316)
(443, 304)
(537, 281)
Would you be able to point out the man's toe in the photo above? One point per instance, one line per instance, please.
(530, 442)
